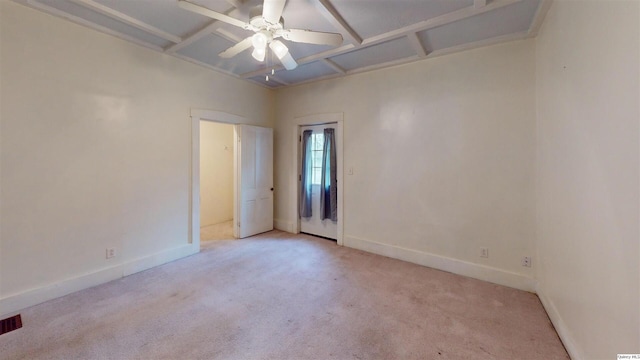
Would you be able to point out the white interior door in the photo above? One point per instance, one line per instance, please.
(314, 225)
(255, 179)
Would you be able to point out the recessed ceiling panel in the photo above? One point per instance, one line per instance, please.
(262, 81)
(305, 72)
(374, 17)
(298, 50)
(206, 50)
(507, 20)
(105, 21)
(230, 32)
(165, 14)
(302, 14)
(376, 54)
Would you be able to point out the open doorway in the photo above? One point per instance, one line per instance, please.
(335, 225)
(252, 175)
(318, 154)
(216, 181)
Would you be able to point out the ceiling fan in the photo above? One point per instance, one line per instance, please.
(268, 25)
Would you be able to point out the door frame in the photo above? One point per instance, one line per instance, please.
(198, 115)
(294, 195)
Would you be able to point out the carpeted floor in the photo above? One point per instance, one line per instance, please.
(284, 296)
(221, 231)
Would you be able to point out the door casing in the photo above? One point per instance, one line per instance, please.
(194, 199)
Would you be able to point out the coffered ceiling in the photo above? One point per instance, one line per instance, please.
(377, 33)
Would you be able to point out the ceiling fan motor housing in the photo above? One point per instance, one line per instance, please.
(256, 19)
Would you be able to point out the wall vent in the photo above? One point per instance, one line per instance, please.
(10, 324)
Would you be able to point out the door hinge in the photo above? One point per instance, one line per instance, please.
(300, 138)
(299, 177)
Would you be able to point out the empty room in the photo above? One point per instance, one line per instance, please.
(320, 179)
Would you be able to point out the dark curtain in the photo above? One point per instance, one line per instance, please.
(329, 182)
(305, 175)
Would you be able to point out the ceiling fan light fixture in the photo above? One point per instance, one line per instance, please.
(279, 48)
(282, 52)
(259, 54)
(259, 40)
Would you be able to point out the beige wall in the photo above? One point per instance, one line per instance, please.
(443, 155)
(216, 172)
(96, 149)
(588, 91)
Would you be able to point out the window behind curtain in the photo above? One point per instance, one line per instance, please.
(317, 144)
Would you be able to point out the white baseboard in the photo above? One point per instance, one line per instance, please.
(12, 304)
(162, 257)
(476, 271)
(283, 225)
(559, 324)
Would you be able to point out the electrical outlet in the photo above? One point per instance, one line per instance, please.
(484, 252)
(526, 261)
(111, 252)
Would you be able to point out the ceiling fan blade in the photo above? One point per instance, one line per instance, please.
(212, 14)
(236, 49)
(312, 37)
(272, 10)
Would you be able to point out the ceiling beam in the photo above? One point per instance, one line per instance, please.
(263, 71)
(209, 28)
(337, 68)
(259, 83)
(384, 65)
(126, 19)
(195, 8)
(478, 44)
(331, 14)
(304, 60)
(78, 20)
(278, 80)
(538, 18)
(416, 44)
(479, 3)
(235, 3)
(326, 54)
(437, 21)
(228, 35)
(203, 64)
(325, 77)
(193, 37)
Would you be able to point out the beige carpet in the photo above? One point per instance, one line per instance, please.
(221, 231)
(280, 296)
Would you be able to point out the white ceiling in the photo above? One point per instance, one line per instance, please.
(377, 33)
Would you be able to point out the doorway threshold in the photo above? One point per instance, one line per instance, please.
(320, 237)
